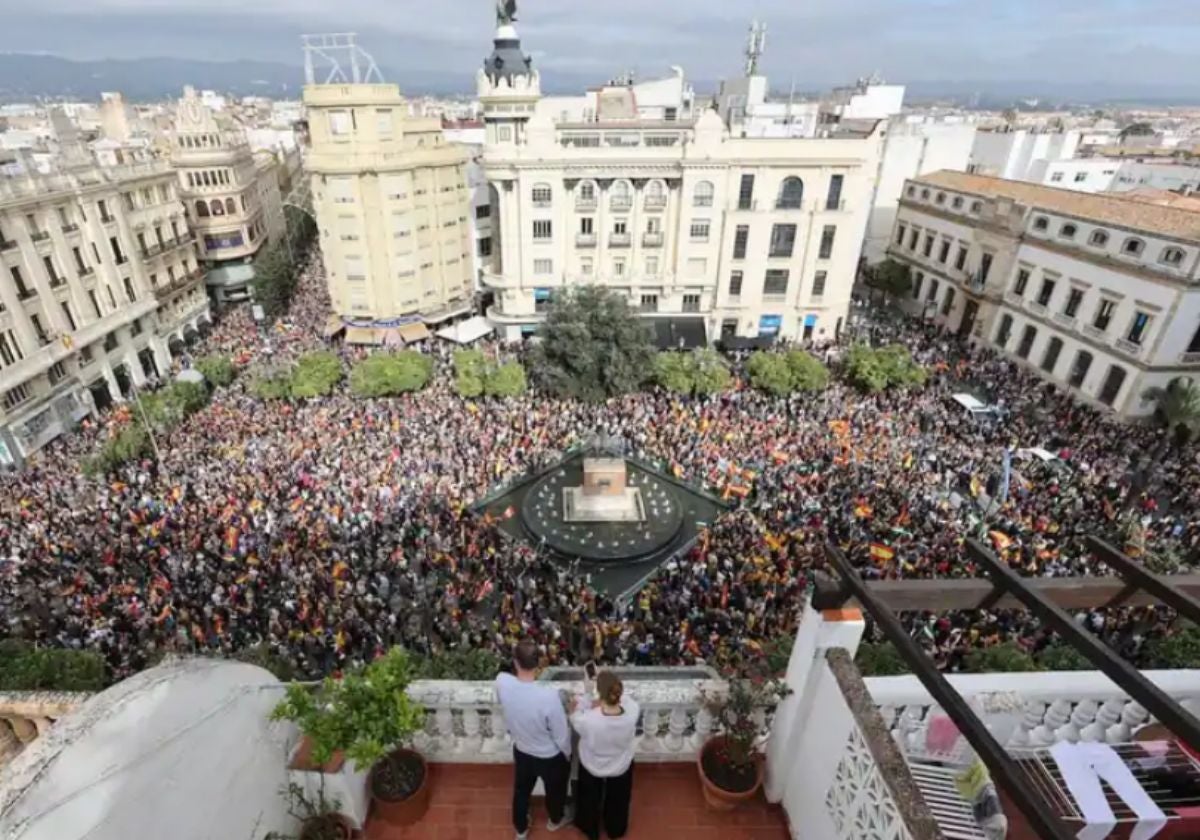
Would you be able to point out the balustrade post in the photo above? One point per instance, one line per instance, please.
(26, 732)
(9, 744)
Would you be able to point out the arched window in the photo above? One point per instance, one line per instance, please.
(976, 206)
(791, 194)
(1133, 246)
(1099, 238)
(656, 194)
(1067, 231)
(925, 194)
(912, 191)
(218, 209)
(1041, 223)
(941, 198)
(620, 196)
(542, 195)
(202, 209)
(702, 195)
(957, 203)
(586, 192)
(230, 206)
(1172, 256)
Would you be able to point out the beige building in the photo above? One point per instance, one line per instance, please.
(1098, 294)
(391, 201)
(99, 282)
(638, 188)
(232, 195)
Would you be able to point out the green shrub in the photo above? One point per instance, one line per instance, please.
(877, 370)
(316, 375)
(1063, 657)
(475, 375)
(1002, 658)
(218, 370)
(272, 385)
(167, 407)
(468, 373)
(673, 372)
(808, 374)
(128, 444)
(783, 373)
(473, 664)
(507, 380)
(1180, 648)
(879, 660)
(389, 374)
(26, 668)
(701, 371)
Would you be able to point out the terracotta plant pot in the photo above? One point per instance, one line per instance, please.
(409, 809)
(327, 827)
(717, 797)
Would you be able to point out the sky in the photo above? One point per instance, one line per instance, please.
(1118, 43)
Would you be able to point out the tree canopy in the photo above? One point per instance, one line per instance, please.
(315, 375)
(701, 371)
(783, 373)
(389, 374)
(879, 369)
(1177, 407)
(475, 375)
(592, 346)
(218, 370)
(890, 277)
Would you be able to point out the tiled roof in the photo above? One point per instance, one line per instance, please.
(1103, 208)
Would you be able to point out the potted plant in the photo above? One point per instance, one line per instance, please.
(730, 763)
(368, 716)
(319, 818)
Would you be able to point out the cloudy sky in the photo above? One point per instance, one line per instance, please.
(817, 42)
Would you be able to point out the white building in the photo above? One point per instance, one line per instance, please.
(635, 188)
(1021, 154)
(1095, 293)
(472, 136)
(1112, 175)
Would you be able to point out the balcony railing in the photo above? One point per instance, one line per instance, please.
(1131, 348)
(619, 240)
(1093, 331)
(620, 203)
(85, 270)
(1189, 358)
(1066, 320)
(585, 203)
(652, 239)
(656, 202)
(6, 244)
(1036, 307)
(39, 235)
(72, 228)
(585, 240)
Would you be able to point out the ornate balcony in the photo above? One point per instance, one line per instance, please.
(585, 240)
(619, 240)
(1065, 320)
(1130, 348)
(652, 239)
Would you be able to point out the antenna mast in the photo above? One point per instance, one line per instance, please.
(332, 52)
(756, 45)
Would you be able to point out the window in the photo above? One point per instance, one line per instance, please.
(1137, 329)
(586, 193)
(775, 282)
(735, 290)
(1067, 231)
(833, 199)
(985, 267)
(746, 193)
(620, 196)
(1099, 238)
(52, 272)
(23, 291)
(1005, 332)
(699, 230)
(542, 195)
(104, 216)
(216, 207)
(948, 301)
(1041, 223)
(791, 194)
(1056, 178)
(129, 290)
(542, 229)
(543, 266)
(1050, 357)
(202, 209)
(702, 195)
(66, 310)
(819, 284)
(976, 206)
(95, 303)
(1027, 339)
(230, 206)
(1171, 256)
(1074, 299)
(827, 235)
(1046, 292)
(917, 285)
(621, 226)
(928, 249)
(619, 267)
(691, 303)
(1112, 385)
(651, 266)
(135, 329)
(933, 289)
(383, 122)
(940, 198)
(112, 299)
(957, 203)
(913, 238)
(900, 234)
(741, 239)
(15, 396)
(341, 123)
(483, 211)
(10, 348)
(1080, 177)
(43, 338)
(85, 356)
(587, 225)
(655, 194)
(654, 225)
(585, 265)
(504, 133)
(1104, 314)
(944, 252)
(783, 240)
(961, 260)
(1079, 370)
(649, 303)
(1133, 247)
(925, 195)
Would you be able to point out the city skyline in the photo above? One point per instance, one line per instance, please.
(1119, 45)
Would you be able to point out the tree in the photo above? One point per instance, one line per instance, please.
(770, 372)
(506, 380)
(167, 407)
(274, 280)
(24, 667)
(218, 370)
(879, 660)
(469, 372)
(389, 374)
(710, 373)
(592, 346)
(891, 277)
(673, 372)
(272, 385)
(1177, 407)
(1062, 657)
(1179, 648)
(1004, 657)
(808, 374)
(315, 375)
(877, 370)
(1137, 129)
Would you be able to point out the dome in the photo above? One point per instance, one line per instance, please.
(185, 749)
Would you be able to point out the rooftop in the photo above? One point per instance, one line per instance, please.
(1106, 208)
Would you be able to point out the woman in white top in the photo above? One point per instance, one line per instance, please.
(607, 733)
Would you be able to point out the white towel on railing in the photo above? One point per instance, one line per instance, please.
(1083, 765)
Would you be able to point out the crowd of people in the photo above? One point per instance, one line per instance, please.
(330, 529)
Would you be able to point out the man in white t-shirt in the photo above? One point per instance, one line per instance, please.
(541, 737)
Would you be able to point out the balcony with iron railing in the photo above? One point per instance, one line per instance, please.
(1065, 320)
(1129, 348)
(585, 204)
(619, 240)
(652, 239)
(618, 203)
(1094, 331)
(585, 240)
(70, 228)
(40, 235)
(655, 202)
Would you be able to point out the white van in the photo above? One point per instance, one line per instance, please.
(975, 409)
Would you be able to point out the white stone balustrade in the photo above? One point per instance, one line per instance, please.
(1053, 706)
(26, 715)
(464, 723)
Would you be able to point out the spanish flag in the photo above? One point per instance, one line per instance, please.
(881, 553)
(863, 510)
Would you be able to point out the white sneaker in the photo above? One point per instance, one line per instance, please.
(524, 835)
(568, 815)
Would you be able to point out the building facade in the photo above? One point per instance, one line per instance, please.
(1097, 294)
(99, 283)
(391, 201)
(1021, 154)
(699, 227)
(232, 195)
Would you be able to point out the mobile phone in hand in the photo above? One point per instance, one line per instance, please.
(590, 669)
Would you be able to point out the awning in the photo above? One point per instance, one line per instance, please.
(364, 335)
(412, 333)
(679, 333)
(333, 326)
(466, 332)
